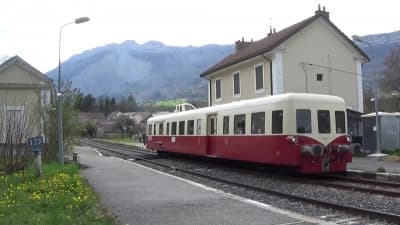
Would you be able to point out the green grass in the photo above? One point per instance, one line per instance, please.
(395, 152)
(60, 197)
(119, 140)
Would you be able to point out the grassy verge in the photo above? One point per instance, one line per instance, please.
(59, 197)
(119, 140)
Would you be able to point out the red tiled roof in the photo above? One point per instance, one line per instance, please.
(269, 43)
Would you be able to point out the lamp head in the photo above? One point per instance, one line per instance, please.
(358, 38)
(81, 20)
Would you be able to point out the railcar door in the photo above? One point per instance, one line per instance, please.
(211, 135)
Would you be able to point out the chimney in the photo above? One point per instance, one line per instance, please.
(241, 44)
(270, 32)
(322, 12)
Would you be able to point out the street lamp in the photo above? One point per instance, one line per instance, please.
(59, 94)
(377, 122)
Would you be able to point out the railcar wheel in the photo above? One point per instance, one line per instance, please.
(162, 153)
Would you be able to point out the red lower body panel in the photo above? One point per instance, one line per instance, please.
(273, 149)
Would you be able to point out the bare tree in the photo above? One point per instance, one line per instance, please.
(4, 58)
(390, 81)
(18, 124)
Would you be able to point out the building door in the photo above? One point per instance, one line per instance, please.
(211, 135)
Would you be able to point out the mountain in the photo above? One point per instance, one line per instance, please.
(150, 71)
(379, 49)
(154, 71)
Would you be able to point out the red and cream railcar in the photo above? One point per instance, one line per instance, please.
(304, 131)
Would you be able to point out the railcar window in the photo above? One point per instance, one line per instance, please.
(150, 129)
(154, 129)
(181, 127)
(173, 128)
(324, 123)
(212, 126)
(303, 121)
(239, 124)
(168, 128)
(198, 128)
(161, 129)
(277, 121)
(225, 125)
(258, 123)
(190, 127)
(340, 122)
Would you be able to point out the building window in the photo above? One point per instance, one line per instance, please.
(218, 89)
(239, 124)
(303, 121)
(258, 123)
(14, 124)
(173, 128)
(319, 76)
(340, 122)
(190, 127)
(259, 77)
(277, 122)
(181, 127)
(236, 84)
(198, 128)
(225, 125)
(324, 123)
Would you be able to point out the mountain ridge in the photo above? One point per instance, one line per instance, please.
(154, 71)
(150, 71)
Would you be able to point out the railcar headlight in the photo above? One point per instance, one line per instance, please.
(317, 150)
(349, 139)
(293, 139)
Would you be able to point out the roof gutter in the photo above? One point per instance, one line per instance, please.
(270, 70)
(210, 89)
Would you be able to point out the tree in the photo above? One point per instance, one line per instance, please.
(123, 105)
(88, 103)
(390, 81)
(16, 126)
(79, 102)
(4, 58)
(71, 126)
(131, 104)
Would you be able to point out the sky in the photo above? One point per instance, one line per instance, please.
(30, 28)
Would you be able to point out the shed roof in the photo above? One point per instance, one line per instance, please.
(16, 60)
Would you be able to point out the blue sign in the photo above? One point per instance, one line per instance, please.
(36, 143)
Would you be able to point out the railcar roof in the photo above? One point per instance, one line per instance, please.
(282, 98)
(394, 114)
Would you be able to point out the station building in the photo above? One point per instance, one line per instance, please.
(24, 93)
(311, 56)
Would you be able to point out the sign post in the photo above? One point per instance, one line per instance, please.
(36, 145)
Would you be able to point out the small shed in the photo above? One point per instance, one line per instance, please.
(389, 131)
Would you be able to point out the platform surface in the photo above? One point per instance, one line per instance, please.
(369, 164)
(137, 195)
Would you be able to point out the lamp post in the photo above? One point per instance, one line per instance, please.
(376, 105)
(59, 94)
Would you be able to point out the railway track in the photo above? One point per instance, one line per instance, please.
(149, 158)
